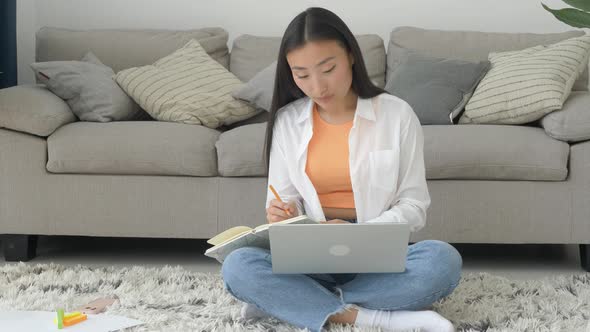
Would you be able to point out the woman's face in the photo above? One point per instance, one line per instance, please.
(322, 70)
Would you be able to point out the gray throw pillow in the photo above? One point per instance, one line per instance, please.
(572, 122)
(88, 88)
(258, 91)
(91, 58)
(437, 89)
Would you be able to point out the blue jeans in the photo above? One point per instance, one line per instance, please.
(433, 270)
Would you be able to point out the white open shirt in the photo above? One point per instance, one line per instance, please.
(386, 149)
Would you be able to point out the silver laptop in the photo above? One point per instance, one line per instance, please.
(339, 248)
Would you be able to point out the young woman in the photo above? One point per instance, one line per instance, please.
(342, 150)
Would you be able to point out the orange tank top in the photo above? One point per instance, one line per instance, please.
(328, 162)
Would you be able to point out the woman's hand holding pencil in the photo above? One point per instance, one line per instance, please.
(279, 210)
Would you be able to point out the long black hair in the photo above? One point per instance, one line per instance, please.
(314, 24)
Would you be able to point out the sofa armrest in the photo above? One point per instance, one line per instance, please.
(33, 109)
(572, 122)
(579, 178)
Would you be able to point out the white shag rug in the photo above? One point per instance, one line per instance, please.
(174, 299)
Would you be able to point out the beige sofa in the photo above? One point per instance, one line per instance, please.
(488, 183)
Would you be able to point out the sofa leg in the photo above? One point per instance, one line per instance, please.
(585, 256)
(18, 247)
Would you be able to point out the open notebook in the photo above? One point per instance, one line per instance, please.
(243, 236)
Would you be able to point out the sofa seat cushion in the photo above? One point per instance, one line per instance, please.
(493, 152)
(133, 147)
(240, 151)
(467, 152)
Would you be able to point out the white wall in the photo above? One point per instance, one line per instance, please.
(25, 39)
(270, 17)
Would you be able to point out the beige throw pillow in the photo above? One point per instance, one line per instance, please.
(522, 86)
(187, 86)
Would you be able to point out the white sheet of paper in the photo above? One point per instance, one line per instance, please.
(42, 321)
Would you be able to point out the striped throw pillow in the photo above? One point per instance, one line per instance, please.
(187, 86)
(523, 86)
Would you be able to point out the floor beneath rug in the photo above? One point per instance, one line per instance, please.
(512, 261)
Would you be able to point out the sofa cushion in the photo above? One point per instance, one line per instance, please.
(522, 86)
(88, 88)
(33, 109)
(482, 152)
(240, 151)
(572, 122)
(251, 54)
(133, 147)
(258, 91)
(469, 45)
(493, 152)
(123, 48)
(187, 86)
(448, 83)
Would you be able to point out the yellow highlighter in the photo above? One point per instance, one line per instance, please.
(75, 320)
(70, 315)
(71, 318)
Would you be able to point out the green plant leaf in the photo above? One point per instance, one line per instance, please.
(580, 4)
(572, 17)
